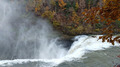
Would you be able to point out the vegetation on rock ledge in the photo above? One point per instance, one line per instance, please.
(75, 17)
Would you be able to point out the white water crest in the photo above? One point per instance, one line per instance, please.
(83, 44)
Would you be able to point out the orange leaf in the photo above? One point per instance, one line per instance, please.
(119, 19)
(83, 13)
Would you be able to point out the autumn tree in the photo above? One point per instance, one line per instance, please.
(109, 12)
(73, 17)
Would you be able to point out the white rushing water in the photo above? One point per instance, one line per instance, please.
(83, 45)
(27, 39)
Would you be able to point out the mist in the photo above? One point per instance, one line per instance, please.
(24, 36)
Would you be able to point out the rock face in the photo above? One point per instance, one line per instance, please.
(65, 41)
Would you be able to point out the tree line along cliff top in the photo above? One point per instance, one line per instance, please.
(74, 17)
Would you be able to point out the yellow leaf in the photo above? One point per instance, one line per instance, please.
(104, 1)
(36, 9)
(77, 5)
(62, 3)
(53, 2)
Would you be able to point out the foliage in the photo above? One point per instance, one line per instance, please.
(91, 15)
(109, 12)
(99, 25)
(62, 4)
(53, 2)
(117, 22)
(48, 13)
(76, 5)
(74, 17)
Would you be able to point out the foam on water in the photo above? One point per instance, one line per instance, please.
(86, 44)
(83, 44)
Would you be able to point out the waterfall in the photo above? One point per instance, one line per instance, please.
(81, 46)
(26, 37)
(84, 44)
(32, 41)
